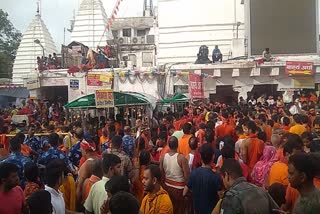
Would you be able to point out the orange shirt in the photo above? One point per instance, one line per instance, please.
(297, 129)
(268, 130)
(103, 139)
(279, 174)
(224, 130)
(292, 195)
(255, 151)
(183, 147)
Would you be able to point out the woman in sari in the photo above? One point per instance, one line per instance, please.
(261, 169)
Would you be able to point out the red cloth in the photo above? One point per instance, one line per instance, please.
(12, 202)
(73, 69)
(88, 145)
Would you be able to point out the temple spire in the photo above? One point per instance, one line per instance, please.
(39, 7)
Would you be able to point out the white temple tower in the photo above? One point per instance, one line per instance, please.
(90, 24)
(28, 51)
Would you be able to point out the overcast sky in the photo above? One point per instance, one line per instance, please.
(58, 13)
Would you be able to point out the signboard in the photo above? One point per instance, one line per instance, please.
(196, 86)
(74, 84)
(54, 82)
(104, 98)
(299, 68)
(33, 83)
(94, 80)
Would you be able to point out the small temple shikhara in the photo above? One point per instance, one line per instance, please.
(36, 41)
(89, 26)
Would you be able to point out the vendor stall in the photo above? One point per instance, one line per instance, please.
(178, 101)
(128, 105)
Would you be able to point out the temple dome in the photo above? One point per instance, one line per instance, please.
(90, 24)
(28, 51)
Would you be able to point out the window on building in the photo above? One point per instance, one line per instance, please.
(126, 32)
(115, 34)
(141, 32)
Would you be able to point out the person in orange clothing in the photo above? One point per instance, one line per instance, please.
(285, 124)
(88, 149)
(251, 147)
(145, 134)
(104, 136)
(313, 97)
(25, 149)
(298, 128)
(96, 176)
(161, 145)
(200, 134)
(293, 194)
(261, 121)
(302, 169)
(157, 201)
(225, 128)
(279, 170)
(140, 165)
(303, 98)
(183, 147)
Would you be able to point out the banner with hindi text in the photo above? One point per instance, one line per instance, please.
(104, 98)
(196, 86)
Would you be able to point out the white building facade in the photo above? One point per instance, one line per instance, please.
(205, 22)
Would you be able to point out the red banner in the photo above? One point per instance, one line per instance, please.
(196, 86)
(299, 68)
(94, 80)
